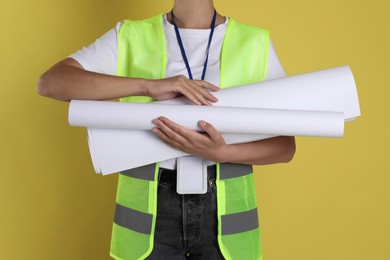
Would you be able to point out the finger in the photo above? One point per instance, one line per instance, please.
(189, 137)
(171, 129)
(194, 90)
(194, 93)
(191, 91)
(214, 135)
(190, 95)
(207, 85)
(204, 92)
(203, 96)
(193, 140)
(167, 140)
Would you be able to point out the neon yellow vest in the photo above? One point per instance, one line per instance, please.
(142, 54)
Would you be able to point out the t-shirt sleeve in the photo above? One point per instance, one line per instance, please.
(102, 55)
(274, 68)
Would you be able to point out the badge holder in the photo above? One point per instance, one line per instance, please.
(191, 175)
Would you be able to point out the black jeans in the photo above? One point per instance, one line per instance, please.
(186, 225)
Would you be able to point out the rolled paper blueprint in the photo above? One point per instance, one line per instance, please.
(331, 90)
(326, 90)
(114, 150)
(135, 116)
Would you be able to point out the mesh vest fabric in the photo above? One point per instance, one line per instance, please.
(142, 54)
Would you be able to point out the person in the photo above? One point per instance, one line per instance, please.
(189, 51)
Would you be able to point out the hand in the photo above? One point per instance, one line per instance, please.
(209, 145)
(194, 90)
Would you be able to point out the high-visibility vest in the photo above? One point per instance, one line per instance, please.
(142, 54)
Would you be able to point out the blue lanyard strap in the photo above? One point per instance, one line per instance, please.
(183, 52)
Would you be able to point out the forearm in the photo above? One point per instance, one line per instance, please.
(212, 146)
(268, 151)
(67, 80)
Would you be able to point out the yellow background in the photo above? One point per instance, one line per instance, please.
(331, 202)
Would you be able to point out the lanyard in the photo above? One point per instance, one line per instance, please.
(183, 52)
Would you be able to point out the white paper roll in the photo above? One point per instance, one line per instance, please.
(312, 102)
(326, 90)
(134, 116)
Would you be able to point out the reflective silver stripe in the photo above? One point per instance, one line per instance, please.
(239, 222)
(133, 219)
(233, 170)
(144, 172)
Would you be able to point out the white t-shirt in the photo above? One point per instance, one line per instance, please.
(102, 55)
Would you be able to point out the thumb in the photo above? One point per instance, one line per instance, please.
(215, 136)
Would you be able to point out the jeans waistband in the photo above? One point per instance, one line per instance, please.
(170, 176)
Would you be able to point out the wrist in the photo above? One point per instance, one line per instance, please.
(145, 86)
(227, 153)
